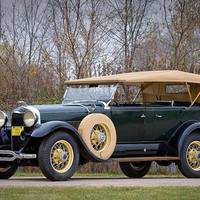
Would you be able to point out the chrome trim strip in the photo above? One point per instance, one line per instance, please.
(11, 156)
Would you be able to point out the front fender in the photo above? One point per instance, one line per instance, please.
(52, 126)
(5, 135)
(4, 139)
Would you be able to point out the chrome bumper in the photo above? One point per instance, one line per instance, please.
(9, 156)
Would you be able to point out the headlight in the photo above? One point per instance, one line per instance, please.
(30, 118)
(3, 119)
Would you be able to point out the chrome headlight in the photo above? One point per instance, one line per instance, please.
(3, 119)
(30, 118)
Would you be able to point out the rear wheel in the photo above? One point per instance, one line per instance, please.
(7, 172)
(58, 156)
(135, 169)
(189, 164)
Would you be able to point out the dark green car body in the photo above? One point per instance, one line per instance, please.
(164, 131)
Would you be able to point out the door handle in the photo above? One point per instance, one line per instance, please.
(143, 116)
(158, 116)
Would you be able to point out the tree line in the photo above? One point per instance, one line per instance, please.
(45, 42)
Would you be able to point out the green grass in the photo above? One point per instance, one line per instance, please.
(106, 175)
(104, 193)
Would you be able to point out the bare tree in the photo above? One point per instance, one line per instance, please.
(23, 44)
(182, 18)
(79, 31)
(131, 22)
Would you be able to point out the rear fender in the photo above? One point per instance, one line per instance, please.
(52, 126)
(182, 132)
(194, 127)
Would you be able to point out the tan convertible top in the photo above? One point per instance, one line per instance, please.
(137, 78)
(152, 83)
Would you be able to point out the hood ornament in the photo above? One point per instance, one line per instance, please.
(22, 103)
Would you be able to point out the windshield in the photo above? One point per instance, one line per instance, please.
(89, 93)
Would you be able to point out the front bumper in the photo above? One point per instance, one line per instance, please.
(9, 156)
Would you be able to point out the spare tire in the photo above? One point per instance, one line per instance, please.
(99, 134)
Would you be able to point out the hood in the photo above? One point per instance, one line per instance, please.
(56, 112)
(61, 113)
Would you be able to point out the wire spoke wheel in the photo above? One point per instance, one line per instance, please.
(193, 155)
(100, 137)
(189, 163)
(58, 156)
(7, 172)
(135, 169)
(61, 156)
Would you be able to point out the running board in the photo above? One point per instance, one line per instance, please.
(140, 159)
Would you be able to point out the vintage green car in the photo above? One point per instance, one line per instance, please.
(130, 118)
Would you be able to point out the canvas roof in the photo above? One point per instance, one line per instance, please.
(137, 78)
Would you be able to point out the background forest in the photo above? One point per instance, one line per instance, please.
(45, 42)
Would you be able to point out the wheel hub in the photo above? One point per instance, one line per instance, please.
(98, 137)
(198, 155)
(64, 156)
(102, 137)
(60, 156)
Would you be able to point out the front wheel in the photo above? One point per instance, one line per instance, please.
(58, 156)
(189, 164)
(7, 172)
(135, 169)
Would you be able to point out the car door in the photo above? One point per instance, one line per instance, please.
(129, 122)
(161, 122)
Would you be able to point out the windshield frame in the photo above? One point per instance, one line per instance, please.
(92, 91)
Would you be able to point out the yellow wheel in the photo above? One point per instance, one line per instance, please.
(7, 172)
(62, 156)
(135, 169)
(193, 155)
(100, 137)
(58, 156)
(98, 132)
(189, 163)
